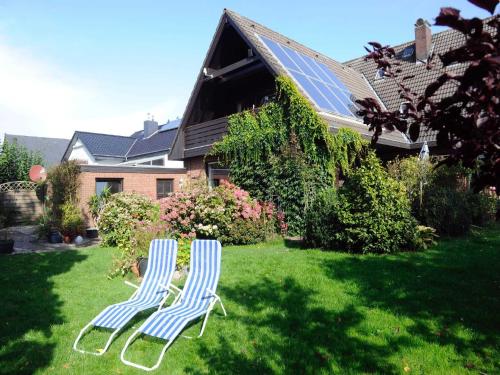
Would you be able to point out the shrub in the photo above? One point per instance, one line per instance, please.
(122, 214)
(16, 161)
(415, 174)
(72, 222)
(64, 182)
(97, 203)
(218, 213)
(370, 213)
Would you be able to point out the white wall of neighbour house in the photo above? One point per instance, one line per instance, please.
(80, 152)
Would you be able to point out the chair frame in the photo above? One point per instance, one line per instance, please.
(134, 335)
(169, 289)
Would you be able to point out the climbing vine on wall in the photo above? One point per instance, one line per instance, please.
(285, 153)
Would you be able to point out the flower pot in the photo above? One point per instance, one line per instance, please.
(67, 239)
(142, 265)
(92, 233)
(55, 237)
(135, 269)
(6, 246)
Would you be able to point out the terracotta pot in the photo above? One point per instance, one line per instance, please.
(67, 239)
(135, 269)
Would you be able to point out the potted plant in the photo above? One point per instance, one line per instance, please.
(72, 221)
(6, 243)
(96, 205)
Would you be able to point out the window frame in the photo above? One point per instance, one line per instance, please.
(105, 179)
(165, 193)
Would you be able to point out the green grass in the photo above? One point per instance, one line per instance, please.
(290, 311)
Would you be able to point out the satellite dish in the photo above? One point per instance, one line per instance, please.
(38, 173)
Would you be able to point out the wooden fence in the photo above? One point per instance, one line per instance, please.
(21, 206)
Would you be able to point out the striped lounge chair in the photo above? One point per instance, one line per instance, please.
(152, 292)
(196, 300)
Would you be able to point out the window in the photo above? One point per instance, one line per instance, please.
(163, 187)
(158, 162)
(115, 185)
(380, 73)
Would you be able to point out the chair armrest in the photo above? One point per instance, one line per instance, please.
(131, 284)
(172, 288)
(213, 293)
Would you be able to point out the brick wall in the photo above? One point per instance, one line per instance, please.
(142, 183)
(195, 167)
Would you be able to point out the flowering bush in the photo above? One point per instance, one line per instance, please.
(227, 213)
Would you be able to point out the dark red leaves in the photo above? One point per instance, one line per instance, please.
(488, 5)
(467, 119)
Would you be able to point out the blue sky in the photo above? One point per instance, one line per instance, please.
(103, 65)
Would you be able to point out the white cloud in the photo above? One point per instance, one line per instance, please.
(38, 98)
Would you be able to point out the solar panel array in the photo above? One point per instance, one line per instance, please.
(318, 81)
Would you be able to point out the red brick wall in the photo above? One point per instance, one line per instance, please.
(195, 167)
(142, 183)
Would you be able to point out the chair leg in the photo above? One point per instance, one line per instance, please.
(136, 365)
(223, 309)
(98, 353)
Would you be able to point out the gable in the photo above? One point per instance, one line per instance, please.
(242, 43)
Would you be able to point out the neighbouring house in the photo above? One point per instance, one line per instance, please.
(50, 149)
(239, 72)
(137, 163)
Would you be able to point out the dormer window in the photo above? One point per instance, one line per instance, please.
(403, 109)
(380, 74)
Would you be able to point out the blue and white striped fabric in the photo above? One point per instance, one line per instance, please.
(195, 300)
(161, 267)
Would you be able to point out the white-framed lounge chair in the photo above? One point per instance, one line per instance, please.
(152, 293)
(197, 299)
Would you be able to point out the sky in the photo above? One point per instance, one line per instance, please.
(103, 65)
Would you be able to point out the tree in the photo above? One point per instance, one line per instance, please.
(467, 121)
(16, 161)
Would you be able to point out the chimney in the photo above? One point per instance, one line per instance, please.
(150, 127)
(423, 40)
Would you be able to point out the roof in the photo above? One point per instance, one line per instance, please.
(124, 147)
(161, 141)
(106, 144)
(51, 149)
(250, 31)
(357, 74)
(387, 89)
(169, 125)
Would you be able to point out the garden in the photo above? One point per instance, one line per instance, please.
(336, 258)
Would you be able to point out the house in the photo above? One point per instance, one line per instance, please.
(50, 149)
(239, 73)
(136, 163)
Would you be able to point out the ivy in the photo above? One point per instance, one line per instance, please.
(284, 152)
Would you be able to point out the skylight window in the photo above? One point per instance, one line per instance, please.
(380, 73)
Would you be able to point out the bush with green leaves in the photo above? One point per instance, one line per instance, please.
(122, 214)
(285, 152)
(370, 213)
(72, 222)
(16, 161)
(64, 184)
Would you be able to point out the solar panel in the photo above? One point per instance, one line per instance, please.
(318, 81)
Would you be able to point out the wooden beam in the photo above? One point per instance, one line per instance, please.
(213, 73)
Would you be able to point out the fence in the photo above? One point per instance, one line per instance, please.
(20, 202)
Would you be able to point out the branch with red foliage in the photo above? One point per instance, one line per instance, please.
(467, 121)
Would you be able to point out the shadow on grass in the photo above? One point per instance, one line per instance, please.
(29, 308)
(450, 290)
(290, 332)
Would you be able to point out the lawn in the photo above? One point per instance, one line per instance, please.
(289, 311)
